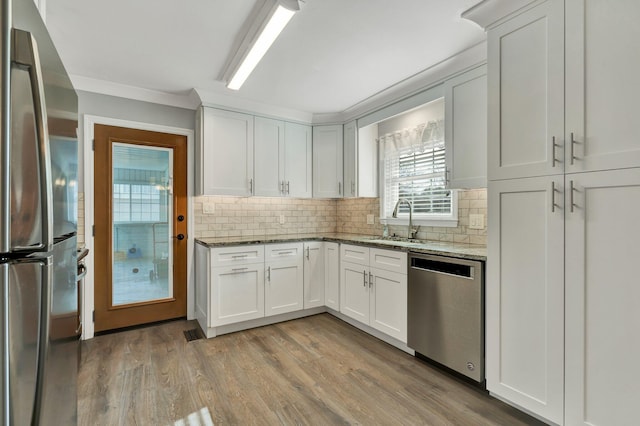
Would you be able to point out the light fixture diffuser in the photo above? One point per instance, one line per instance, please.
(263, 27)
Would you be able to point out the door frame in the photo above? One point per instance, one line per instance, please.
(89, 121)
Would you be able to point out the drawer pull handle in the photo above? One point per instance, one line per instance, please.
(284, 253)
(240, 256)
(239, 269)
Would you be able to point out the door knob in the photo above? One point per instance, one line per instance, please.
(180, 218)
(180, 237)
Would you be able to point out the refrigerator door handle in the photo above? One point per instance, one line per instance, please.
(25, 54)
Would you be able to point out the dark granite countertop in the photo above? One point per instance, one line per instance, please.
(442, 248)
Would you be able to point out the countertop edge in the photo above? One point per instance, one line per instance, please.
(355, 240)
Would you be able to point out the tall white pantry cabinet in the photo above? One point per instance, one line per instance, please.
(563, 300)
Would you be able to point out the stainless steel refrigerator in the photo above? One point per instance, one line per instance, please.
(38, 217)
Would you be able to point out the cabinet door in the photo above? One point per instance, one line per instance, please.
(297, 160)
(602, 251)
(526, 93)
(465, 136)
(350, 159)
(327, 161)
(332, 275)
(269, 140)
(226, 153)
(313, 274)
(602, 67)
(203, 285)
(388, 301)
(284, 287)
(354, 291)
(367, 161)
(525, 294)
(237, 294)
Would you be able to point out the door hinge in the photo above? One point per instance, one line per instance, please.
(93, 144)
(93, 316)
(93, 230)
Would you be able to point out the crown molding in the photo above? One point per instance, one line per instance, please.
(214, 99)
(436, 74)
(488, 12)
(189, 100)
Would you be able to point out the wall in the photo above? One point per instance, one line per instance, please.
(352, 218)
(130, 110)
(259, 216)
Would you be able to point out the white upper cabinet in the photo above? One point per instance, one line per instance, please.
(269, 155)
(327, 161)
(350, 159)
(526, 93)
(602, 66)
(224, 157)
(297, 160)
(466, 129)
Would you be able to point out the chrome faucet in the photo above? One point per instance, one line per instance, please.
(411, 231)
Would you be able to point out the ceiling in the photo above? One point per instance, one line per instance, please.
(332, 55)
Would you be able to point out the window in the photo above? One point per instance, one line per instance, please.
(137, 203)
(414, 169)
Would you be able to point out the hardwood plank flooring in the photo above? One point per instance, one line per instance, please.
(316, 370)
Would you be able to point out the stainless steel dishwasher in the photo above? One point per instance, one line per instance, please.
(446, 312)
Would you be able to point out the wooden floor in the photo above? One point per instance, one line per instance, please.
(316, 370)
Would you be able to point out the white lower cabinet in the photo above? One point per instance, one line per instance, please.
(603, 295)
(283, 278)
(374, 291)
(238, 294)
(525, 294)
(332, 275)
(314, 271)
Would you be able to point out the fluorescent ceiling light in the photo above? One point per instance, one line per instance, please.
(268, 23)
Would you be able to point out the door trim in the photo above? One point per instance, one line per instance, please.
(87, 141)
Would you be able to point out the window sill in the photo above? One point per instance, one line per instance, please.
(440, 223)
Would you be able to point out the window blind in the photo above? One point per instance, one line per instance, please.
(415, 169)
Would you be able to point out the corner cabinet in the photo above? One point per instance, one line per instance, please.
(327, 161)
(373, 288)
(465, 98)
(224, 152)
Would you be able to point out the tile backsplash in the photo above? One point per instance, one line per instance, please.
(352, 218)
(258, 216)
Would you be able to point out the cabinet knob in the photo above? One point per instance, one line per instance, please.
(180, 218)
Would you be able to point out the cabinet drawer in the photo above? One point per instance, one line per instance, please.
(237, 255)
(354, 254)
(286, 251)
(389, 260)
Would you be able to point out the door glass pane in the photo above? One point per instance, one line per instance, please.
(142, 213)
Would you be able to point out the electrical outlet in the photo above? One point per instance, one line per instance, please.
(281, 219)
(369, 219)
(476, 221)
(208, 208)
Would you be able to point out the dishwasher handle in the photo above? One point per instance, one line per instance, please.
(439, 267)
